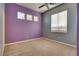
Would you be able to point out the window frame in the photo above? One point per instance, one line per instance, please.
(19, 13)
(62, 31)
(35, 17)
(30, 16)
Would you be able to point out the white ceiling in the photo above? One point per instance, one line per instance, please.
(35, 6)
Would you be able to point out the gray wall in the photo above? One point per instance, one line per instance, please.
(71, 36)
(1, 18)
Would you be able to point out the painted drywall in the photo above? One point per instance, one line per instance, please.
(1, 27)
(78, 29)
(71, 36)
(19, 30)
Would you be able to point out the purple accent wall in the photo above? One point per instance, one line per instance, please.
(18, 30)
(78, 29)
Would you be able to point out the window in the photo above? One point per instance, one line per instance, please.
(59, 22)
(29, 17)
(21, 15)
(35, 19)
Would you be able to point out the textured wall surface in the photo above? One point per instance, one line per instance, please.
(18, 30)
(71, 36)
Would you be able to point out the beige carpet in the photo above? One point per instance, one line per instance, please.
(41, 47)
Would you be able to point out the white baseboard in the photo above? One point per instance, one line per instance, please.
(61, 42)
(23, 41)
(42, 38)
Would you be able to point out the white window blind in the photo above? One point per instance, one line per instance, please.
(59, 22)
(21, 15)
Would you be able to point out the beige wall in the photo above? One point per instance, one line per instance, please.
(1, 28)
